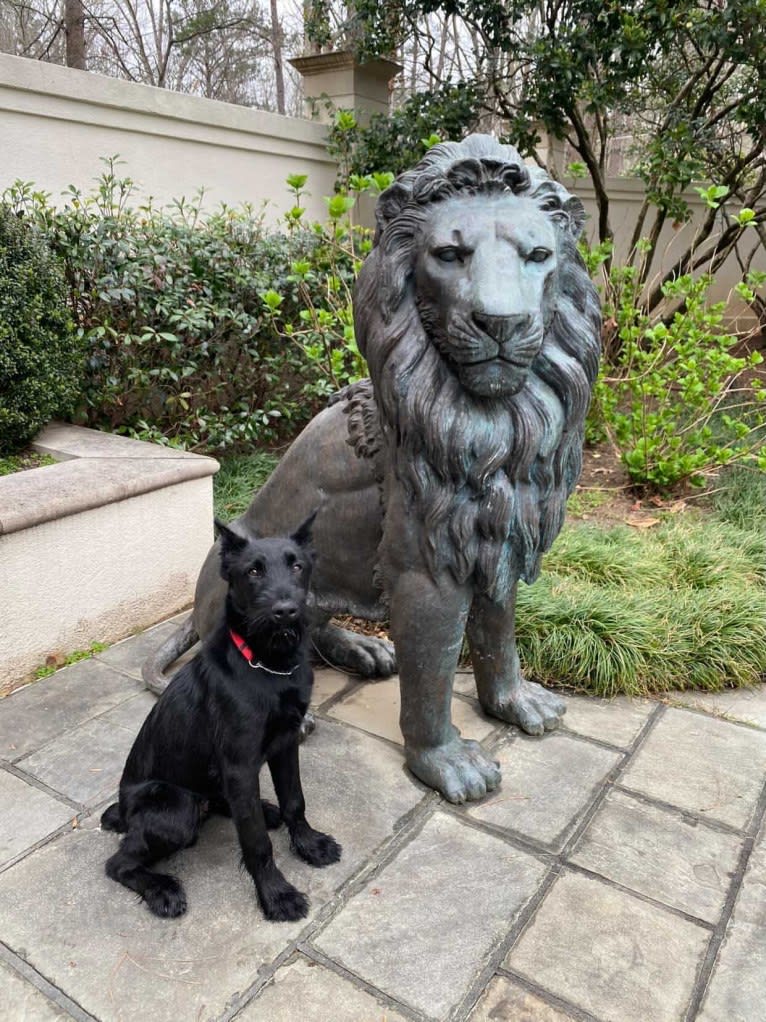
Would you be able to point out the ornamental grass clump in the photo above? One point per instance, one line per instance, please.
(623, 611)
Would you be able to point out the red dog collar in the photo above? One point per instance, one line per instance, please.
(247, 653)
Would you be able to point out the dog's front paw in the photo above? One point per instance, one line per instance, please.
(315, 848)
(281, 902)
(165, 896)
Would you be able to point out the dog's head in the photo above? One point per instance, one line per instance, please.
(269, 581)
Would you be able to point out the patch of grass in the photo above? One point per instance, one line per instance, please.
(741, 498)
(622, 611)
(79, 654)
(24, 460)
(585, 500)
(237, 480)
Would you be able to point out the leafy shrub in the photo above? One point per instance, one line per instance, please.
(396, 141)
(176, 309)
(314, 309)
(669, 396)
(40, 359)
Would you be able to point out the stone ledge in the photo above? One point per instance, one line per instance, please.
(104, 543)
(93, 469)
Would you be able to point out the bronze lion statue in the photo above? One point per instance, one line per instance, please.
(443, 479)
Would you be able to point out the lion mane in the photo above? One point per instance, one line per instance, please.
(487, 477)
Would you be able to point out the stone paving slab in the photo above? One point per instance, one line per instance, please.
(744, 704)
(21, 1002)
(425, 925)
(421, 929)
(129, 655)
(737, 989)
(27, 815)
(306, 992)
(375, 709)
(84, 764)
(547, 783)
(675, 860)
(131, 713)
(506, 1001)
(701, 764)
(617, 721)
(41, 711)
(617, 957)
(93, 939)
(327, 683)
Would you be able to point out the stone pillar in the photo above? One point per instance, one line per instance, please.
(347, 84)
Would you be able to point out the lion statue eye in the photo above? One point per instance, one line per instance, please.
(450, 254)
(539, 255)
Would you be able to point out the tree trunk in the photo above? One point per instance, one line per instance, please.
(74, 28)
(276, 43)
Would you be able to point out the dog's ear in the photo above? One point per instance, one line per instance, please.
(231, 541)
(302, 535)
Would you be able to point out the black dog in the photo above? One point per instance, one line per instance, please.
(237, 705)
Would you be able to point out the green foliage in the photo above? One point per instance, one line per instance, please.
(624, 611)
(397, 141)
(668, 396)
(194, 323)
(40, 358)
(24, 460)
(313, 310)
(740, 498)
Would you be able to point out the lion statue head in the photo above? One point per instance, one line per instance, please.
(481, 328)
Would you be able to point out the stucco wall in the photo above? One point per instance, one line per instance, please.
(57, 123)
(625, 198)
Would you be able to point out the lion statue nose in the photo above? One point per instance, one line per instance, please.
(501, 328)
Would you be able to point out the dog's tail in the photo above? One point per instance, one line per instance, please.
(111, 819)
(154, 667)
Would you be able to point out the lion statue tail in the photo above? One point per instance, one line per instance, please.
(154, 667)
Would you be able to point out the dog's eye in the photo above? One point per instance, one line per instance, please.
(257, 570)
(297, 568)
(539, 255)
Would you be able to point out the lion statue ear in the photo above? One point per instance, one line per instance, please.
(577, 215)
(390, 204)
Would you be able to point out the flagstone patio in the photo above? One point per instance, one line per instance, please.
(619, 873)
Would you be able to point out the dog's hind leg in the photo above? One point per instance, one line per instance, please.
(112, 819)
(161, 819)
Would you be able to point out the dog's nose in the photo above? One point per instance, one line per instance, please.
(284, 611)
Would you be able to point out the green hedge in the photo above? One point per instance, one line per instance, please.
(172, 306)
(40, 357)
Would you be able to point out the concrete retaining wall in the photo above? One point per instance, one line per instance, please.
(102, 544)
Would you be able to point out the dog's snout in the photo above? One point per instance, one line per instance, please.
(284, 611)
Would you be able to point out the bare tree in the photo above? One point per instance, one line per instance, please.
(222, 49)
(74, 29)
